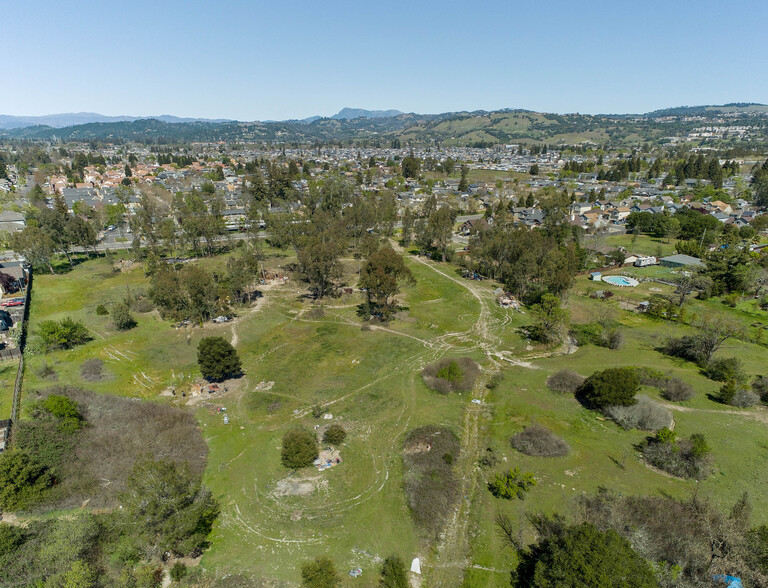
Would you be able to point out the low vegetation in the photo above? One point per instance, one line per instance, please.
(431, 486)
(89, 442)
(684, 458)
(565, 381)
(676, 390)
(539, 441)
(645, 414)
(511, 484)
(92, 370)
(451, 375)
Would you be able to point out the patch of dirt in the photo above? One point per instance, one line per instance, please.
(299, 486)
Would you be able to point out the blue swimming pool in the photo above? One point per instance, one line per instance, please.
(620, 280)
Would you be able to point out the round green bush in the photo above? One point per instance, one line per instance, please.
(299, 449)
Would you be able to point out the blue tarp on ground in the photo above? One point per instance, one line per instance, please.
(728, 581)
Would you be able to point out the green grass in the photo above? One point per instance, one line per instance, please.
(7, 380)
(369, 379)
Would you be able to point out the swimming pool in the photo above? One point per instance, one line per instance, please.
(622, 281)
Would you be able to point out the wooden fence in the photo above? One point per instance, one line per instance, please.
(5, 426)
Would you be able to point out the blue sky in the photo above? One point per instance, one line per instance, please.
(256, 60)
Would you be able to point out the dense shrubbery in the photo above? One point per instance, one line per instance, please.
(23, 480)
(684, 458)
(610, 387)
(119, 431)
(645, 414)
(451, 375)
(737, 394)
(537, 440)
(167, 509)
(431, 486)
(726, 368)
(581, 555)
(299, 449)
(688, 541)
(565, 381)
(63, 334)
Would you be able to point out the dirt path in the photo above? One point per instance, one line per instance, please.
(253, 310)
(759, 413)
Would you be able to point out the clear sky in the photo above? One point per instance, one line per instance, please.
(257, 60)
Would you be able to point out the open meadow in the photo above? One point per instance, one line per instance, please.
(309, 364)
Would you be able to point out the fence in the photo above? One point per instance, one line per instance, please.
(5, 426)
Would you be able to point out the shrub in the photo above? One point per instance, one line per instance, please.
(101, 310)
(495, 380)
(319, 573)
(23, 480)
(178, 571)
(728, 392)
(299, 449)
(676, 390)
(537, 440)
(615, 339)
(511, 484)
(45, 371)
(10, 539)
(142, 305)
(451, 375)
(61, 407)
(317, 411)
(610, 387)
(745, 398)
(120, 431)
(565, 381)
(451, 372)
(431, 486)
(726, 368)
(687, 458)
(683, 347)
(64, 334)
(121, 317)
(488, 459)
(581, 555)
(167, 508)
(650, 376)
(645, 414)
(760, 387)
(394, 573)
(92, 370)
(334, 435)
(217, 359)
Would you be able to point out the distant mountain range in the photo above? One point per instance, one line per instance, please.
(382, 128)
(68, 119)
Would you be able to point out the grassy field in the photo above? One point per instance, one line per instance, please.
(7, 379)
(297, 355)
